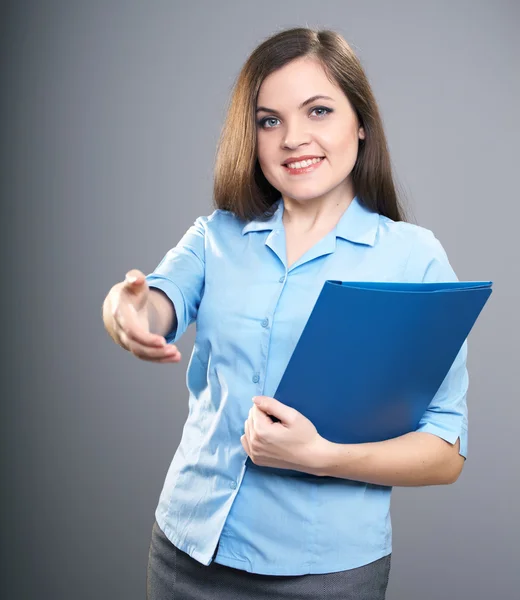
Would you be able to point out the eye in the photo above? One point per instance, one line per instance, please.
(262, 123)
(327, 110)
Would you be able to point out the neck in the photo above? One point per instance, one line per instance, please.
(315, 214)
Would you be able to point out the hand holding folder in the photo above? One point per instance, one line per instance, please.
(380, 351)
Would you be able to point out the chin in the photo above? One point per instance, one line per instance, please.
(306, 193)
(302, 197)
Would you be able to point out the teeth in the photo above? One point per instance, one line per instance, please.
(304, 163)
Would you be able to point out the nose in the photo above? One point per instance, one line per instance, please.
(296, 135)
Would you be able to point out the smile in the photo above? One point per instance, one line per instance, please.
(307, 168)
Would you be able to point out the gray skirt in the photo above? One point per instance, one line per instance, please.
(173, 574)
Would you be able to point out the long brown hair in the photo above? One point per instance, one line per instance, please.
(239, 185)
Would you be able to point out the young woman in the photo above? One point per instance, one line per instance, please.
(252, 507)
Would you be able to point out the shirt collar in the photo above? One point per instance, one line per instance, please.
(357, 224)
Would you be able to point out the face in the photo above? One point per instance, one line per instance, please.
(289, 127)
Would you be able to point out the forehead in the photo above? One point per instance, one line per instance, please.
(295, 81)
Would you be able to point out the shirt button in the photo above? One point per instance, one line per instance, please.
(256, 378)
(282, 279)
(233, 485)
(265, 323)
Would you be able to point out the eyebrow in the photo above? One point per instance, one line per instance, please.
(303, 104)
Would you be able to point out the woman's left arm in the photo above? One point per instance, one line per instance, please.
(435, 453)
(413, 459)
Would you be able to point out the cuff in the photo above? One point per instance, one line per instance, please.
(174, 293)
(449, 435)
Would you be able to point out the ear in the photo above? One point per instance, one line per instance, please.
(361, 133)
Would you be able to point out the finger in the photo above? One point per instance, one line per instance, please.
(164, 353)
(175, 358)
(260, 417)
(145, 338)
(245, 445)
(163, 361)
(157, 354)
(170, 359)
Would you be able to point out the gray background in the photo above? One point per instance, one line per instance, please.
(110, 117)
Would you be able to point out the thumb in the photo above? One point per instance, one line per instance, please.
(134, 281)
(275, 408)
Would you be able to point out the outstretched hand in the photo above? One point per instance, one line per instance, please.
(127, 320)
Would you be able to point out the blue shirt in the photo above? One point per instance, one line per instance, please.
(231, 277)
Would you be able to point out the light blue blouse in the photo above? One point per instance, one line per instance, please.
(231, 278)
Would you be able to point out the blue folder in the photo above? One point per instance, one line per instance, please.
(372, 355)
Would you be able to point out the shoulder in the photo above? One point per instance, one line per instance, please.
(206, 228)
(427, 259)
(219, 219)
(406, 232)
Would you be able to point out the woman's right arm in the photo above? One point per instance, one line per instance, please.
(146, 315)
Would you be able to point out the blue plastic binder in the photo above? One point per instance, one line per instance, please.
(373, 355)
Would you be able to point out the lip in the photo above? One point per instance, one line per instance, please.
(293, 159)
(303, 170)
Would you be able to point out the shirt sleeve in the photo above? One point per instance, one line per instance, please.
(447, 414)
(180, 275)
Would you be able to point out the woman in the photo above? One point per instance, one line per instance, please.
(252, 507)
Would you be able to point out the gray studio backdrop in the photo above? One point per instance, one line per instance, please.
(110, 117)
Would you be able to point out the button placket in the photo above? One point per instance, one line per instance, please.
(265, 323)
